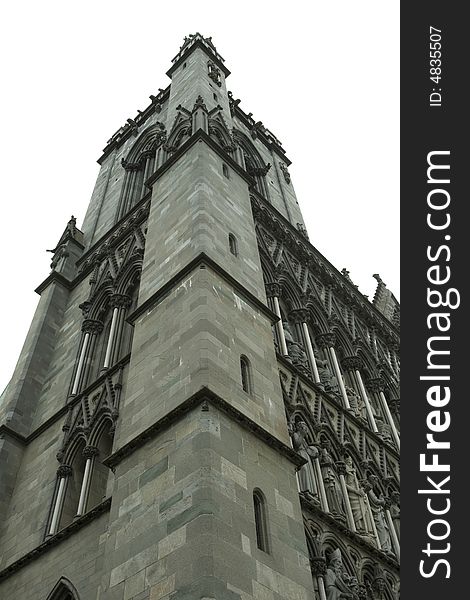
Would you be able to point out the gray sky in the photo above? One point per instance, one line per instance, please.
(322, 76)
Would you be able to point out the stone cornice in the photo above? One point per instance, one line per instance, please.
(25, 440)
(54, 277)
(265, 139)
(358, 541)
(53, 541)
(201, 259)
(6, 431)
(203, 395)
(195, 137)
(125, 132)
(336, 279)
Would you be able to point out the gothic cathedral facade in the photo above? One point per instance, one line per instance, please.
(204, 407)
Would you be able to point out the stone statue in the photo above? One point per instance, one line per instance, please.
(377, 504)
(384, 429)
(306, 473)
(356, 403)
(298, 356)
(357, 500)
(327, 379)
(337, 581)
(395, 511)
(332, 486)
(288, 333)
(58, 253)
(296, 352)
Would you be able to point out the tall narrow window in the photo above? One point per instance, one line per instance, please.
(225, 171)
(245, 374)
(259, 506)
(232, 243)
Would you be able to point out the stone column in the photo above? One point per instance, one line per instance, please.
(300, 317)
(377, 386)
(357, 365)
(341, 466)
(273, 291)
(81, 361)
(321, 485)
(93, 327)
(63, 473)
(318, 567)
(327, 340)
(119, 303)
(393, 533)
(89, 452)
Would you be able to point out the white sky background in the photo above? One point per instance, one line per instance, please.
(322, 76)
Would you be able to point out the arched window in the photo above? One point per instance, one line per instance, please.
(245, 369)
(233, 244)
(74, 484)
(63, 590)
(225, 171)
(261, 523)
(102, 477)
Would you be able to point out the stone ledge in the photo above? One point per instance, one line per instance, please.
(56, 539)
(204, 395)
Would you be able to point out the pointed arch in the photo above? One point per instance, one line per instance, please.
(139, 164)
(252, 162)
(64, 590)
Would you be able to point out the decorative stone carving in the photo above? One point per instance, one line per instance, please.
(64, 471)
(286, 174)
(303, 233)
(332, 485)
(90, 451)
(377, 504)
(327, 380)
(92, 326)
(326, 340)
(306, 473)
(352, 363)
(357, 500)
(58, 253)
(395, 511)
(273, 289)
(356, 403)
(318, 566)
(214, 73)
(337, 581)
(384, 429)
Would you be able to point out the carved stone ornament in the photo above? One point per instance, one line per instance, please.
(90, 451)
(273, 289)
(285, 172)
(326, 340)
(318, 566)
(352, 363)
(214, 73)
(92, 326)
(64, 471)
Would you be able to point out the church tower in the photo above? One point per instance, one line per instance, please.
(204, 407)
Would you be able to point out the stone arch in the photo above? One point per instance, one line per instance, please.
(64, 590)
(253, 162)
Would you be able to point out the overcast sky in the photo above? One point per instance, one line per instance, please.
(323, 79)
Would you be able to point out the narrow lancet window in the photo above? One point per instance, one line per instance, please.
(233, 245)
(259, 505)
(245, 374)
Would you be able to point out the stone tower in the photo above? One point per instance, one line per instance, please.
(204, 407)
